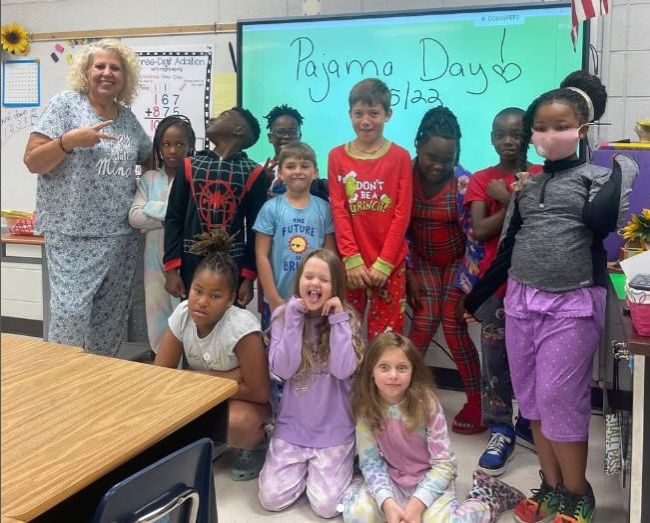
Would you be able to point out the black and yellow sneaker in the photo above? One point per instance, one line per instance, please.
(576, 508)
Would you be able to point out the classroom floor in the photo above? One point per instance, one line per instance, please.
(237, 501)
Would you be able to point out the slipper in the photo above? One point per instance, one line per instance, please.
(468, 420)
(249, 463)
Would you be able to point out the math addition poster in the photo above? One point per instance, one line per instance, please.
(174, 80)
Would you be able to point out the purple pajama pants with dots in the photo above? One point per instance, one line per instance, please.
(289, 470)
(551, 339)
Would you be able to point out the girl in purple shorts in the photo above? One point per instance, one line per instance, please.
(552, 256)
(316, 350)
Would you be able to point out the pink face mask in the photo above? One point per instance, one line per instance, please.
(556, 145)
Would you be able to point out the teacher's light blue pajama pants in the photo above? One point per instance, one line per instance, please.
(91, 288)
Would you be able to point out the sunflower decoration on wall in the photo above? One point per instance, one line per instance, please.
(14, 39)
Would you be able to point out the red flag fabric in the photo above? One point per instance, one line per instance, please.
(582, 10)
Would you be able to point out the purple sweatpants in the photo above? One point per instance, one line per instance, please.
(551, 339)
(290, 470)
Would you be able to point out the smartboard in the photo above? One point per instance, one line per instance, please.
(475, 61)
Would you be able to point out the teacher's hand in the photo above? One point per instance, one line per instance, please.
(87, 136)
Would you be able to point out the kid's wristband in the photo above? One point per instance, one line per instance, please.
(352, 262)
(383, 266)
(61, 145)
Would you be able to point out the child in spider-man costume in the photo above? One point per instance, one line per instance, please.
(216, 188)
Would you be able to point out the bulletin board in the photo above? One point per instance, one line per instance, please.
(54, 55)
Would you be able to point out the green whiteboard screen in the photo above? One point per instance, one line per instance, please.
(474, 61)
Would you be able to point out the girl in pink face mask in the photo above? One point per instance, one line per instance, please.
(554, 262)
(557, 131)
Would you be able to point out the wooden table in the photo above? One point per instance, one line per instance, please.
(26, 354)
(74, 423)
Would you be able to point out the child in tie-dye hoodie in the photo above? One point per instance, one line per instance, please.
(173, 141)
(404, 449)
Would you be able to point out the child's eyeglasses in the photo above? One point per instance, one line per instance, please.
(289, 133)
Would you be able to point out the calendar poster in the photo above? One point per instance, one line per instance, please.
(21, 83)
(174, 80)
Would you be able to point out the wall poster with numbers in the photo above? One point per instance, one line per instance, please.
(175, 80)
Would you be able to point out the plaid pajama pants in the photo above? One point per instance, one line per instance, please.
(439, 297)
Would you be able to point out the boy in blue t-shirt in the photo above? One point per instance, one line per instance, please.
(290, 225)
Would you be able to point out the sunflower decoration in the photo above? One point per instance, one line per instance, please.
(637, 231)
(14, 38)
(643, 129)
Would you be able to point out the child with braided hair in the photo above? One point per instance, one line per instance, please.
(173, 141)
(220, 339)
(437, 247)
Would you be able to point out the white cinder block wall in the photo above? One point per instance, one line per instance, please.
(624, 52)
(622, 38)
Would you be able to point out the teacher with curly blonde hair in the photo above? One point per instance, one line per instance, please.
(85, 148)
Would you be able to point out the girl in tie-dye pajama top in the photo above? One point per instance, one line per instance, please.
(405, 455)
(173, 141)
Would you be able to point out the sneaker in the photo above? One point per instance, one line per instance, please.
(576, 508)
(542, 506)
(523, 433)
(499, 451)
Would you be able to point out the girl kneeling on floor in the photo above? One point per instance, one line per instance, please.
(315, 349)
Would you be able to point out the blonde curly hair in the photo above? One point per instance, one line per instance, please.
(78, 75)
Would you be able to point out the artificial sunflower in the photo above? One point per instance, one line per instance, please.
(643, 129)
(637, 231)
(14, 38)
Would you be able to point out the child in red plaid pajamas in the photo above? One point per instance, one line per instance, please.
(437, 247)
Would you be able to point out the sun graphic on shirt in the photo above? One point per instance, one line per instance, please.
(298, 244)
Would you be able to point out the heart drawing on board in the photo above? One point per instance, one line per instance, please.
(509, 72)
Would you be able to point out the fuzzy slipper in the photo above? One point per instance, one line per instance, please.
(468, 420)
(249, 463)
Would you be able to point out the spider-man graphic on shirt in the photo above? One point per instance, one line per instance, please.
(208, 192)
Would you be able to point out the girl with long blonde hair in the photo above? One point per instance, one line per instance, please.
(316, 350)
(405, 455)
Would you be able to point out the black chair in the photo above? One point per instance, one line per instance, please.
(178, 488)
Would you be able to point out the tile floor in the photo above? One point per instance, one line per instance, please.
(237, 502)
